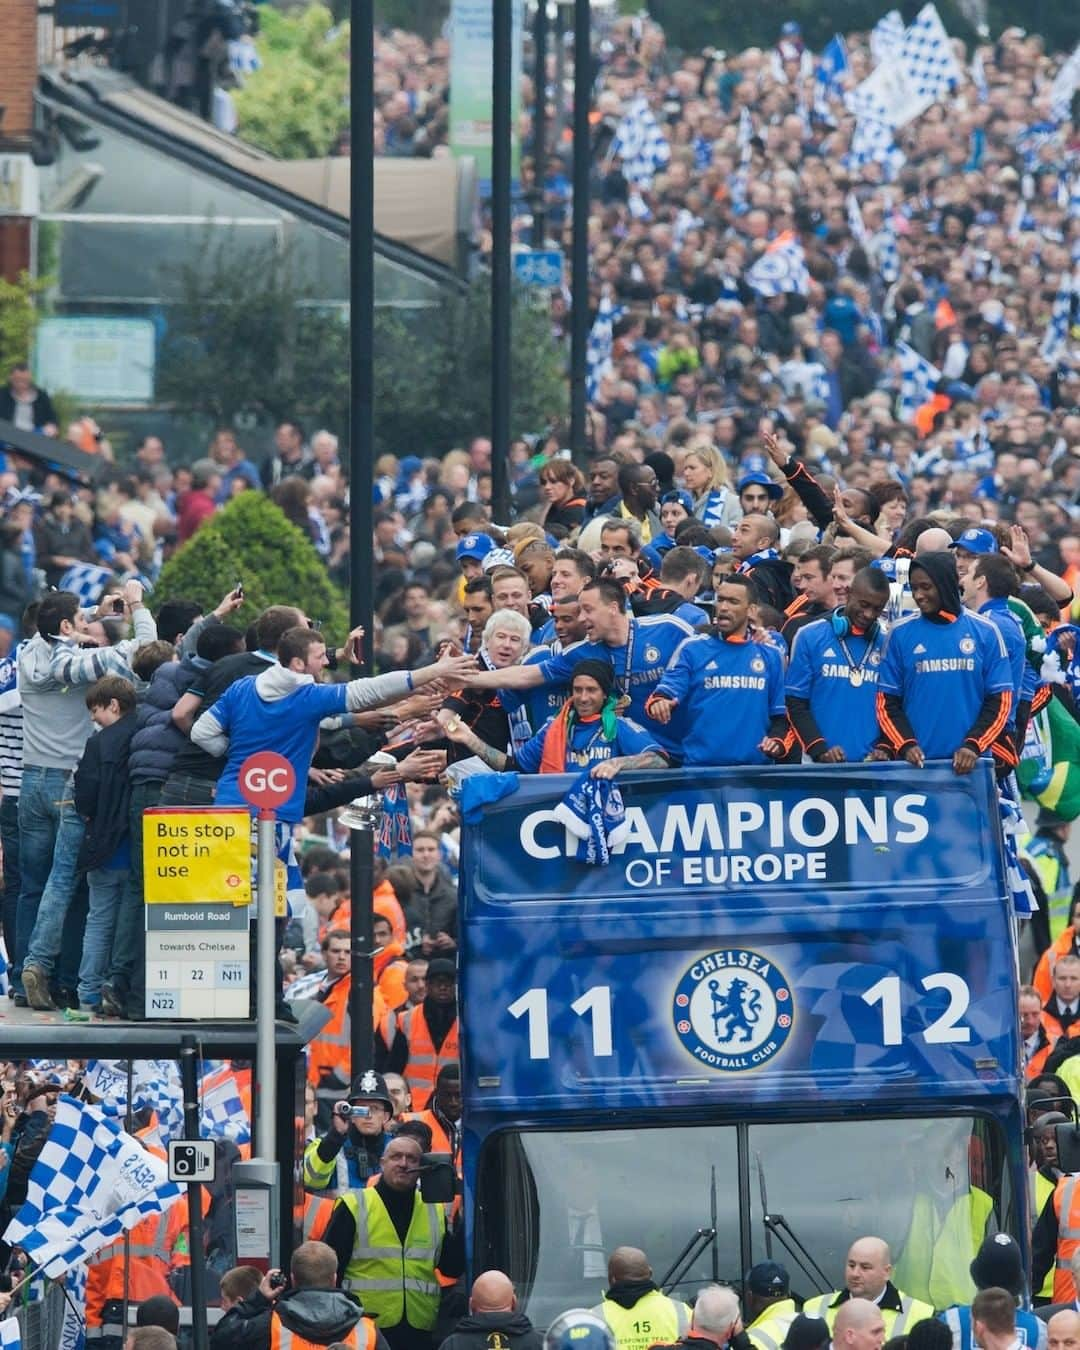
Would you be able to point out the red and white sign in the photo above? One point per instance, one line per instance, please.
(267, 780)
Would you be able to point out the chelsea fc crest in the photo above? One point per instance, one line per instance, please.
(733, 1010)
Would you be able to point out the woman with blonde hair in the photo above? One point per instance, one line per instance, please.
(705, 477)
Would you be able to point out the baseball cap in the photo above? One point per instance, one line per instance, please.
(976, 541)
(498, 557)
(476, 546)
(774, 490)
(766, 1278)
(806, 1333)
(681, 496)
(371, 1087)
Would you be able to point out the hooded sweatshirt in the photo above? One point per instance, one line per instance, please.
(281, 709)
(491, 1331)
(945, 679)
(322, 1316)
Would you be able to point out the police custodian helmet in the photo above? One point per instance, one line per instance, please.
(579, 1329)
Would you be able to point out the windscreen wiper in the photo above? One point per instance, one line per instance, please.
(786, 1236)
(701, 1239)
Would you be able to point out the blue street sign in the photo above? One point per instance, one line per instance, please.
(539, 267)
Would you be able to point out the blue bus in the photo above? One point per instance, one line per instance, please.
(784, 1015)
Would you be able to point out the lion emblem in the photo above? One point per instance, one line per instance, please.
(737, 1006)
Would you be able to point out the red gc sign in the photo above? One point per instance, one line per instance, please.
(267, 780)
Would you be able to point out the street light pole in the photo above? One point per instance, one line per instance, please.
(579, 258)
(501, 93)
(361, 469)
(540, 43)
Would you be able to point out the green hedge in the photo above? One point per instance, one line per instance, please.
(251, 540)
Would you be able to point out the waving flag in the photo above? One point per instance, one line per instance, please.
(155, 1087)
(640, 143)
(918, 379)
(10, 1339)
(887, 37)
(1056, 338)
(927, 56)
(829, 78)
(598, 347)
(1064, 86)
(888, 249)
(856, 224)
(781, 270)
(90, 1184)
(224, 1114)
(87, 581)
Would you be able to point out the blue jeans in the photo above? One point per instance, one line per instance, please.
(9, 838)
(50, 836)
(108, 894)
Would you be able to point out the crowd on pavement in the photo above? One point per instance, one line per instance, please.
(831, 515)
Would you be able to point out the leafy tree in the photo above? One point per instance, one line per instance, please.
(19, 317)
(245, 340)
(252, 539)
(296, 106)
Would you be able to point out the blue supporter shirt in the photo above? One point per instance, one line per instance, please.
(638, 664)
(586, 745)
(728, 692)
(943, 672)
(846, 714)
(289, 725)
(1005, 621)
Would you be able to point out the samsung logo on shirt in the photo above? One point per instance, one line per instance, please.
(838, 672)
(942, 665)
(734, 682)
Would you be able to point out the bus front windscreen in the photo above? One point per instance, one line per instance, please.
(552, 1205)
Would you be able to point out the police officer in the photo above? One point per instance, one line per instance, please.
(866, 1277)
(997, 1265)
(579, 1329)
(633, 1306)
(350, 1151)
(389, 1246)
(769, 1305)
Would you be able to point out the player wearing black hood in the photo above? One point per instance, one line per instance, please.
(945, 688)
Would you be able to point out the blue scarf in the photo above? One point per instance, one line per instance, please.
(748, 564)
(593, 812)
(395, 831)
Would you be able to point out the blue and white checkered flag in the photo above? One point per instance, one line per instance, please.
(10, 1338)
(887, 37)
(640, 144)
(87, 581)
(90, 1184)
(888, 258)
(873, 143)
(828, 78)
(918, 379)
(1056, 338)
(73, 1327)
(927, 56)
(978, 77)
(224, 1115)
(155, 1087)
(1065, 84)
(598, 348)
(781, 270)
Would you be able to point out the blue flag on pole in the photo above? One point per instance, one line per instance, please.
(90, 1184)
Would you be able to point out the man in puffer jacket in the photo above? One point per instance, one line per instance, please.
(156, 743)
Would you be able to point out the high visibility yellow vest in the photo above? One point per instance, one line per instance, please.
(937, 1252)
(897, 1320)
(654, 1319)
(395, 1283)
(1042, 1190)
(767, 1332)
